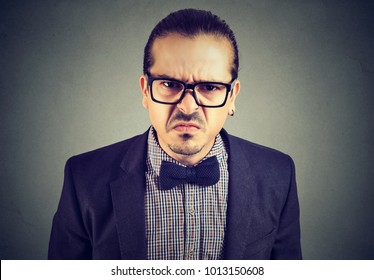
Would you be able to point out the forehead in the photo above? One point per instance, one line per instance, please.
(203, 56)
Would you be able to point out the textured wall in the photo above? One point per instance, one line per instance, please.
(69, 83)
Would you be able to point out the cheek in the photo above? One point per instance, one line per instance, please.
(216, 119)
(158, 115)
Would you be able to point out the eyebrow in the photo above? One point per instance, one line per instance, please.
(166, 77)
(163, 76)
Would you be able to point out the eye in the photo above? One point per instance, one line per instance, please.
(169, 84)
(209, 87)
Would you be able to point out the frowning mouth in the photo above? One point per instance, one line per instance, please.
(186, 127)
(187, 124)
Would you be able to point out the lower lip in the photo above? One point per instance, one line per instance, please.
(186, 128)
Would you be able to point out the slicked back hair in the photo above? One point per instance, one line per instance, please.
(191, 23)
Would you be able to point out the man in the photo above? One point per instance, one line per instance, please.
(185, 189)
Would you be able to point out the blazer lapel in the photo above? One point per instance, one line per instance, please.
(128, 201)
(240, 196)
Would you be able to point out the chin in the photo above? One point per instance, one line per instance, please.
(185, 149)
(186, 136)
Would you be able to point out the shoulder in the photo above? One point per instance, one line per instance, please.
(108, 157)
(250, 147)
(256, 155)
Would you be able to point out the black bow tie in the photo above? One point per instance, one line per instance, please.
(205, 173)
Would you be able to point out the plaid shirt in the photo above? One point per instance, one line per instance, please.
(188, 221)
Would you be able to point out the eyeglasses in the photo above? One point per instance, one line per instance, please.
(206, 94)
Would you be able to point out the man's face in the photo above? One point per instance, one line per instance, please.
(187, 131)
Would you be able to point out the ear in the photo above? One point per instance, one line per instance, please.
(144, 88)
(232, 97)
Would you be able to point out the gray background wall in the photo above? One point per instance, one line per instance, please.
(69, 83)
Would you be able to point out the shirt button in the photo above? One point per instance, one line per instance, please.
(190, 254)
(191, 211)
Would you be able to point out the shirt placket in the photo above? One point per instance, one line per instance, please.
(192, 225)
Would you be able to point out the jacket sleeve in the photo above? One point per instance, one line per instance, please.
(287, 243)
(69, 238)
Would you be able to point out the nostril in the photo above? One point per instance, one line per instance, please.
(188, 103)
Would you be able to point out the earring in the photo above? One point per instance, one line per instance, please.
(232, 113)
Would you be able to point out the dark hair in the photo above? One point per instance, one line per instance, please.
(190, 23)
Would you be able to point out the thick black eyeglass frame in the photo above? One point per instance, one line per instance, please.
(228, 86)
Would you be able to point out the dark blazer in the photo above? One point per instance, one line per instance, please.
(101, 211)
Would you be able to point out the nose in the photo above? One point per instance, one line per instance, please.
(188, 104)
